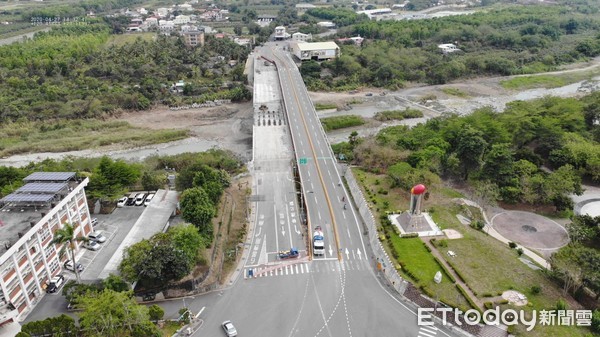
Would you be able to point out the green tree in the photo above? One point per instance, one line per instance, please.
(111, 177)
(65, 237)
(115, 283)
(164, 257)
(310, 69)
(152, 181)
(62, 325)
(470, 147)
(198, 209)
(187, 238)
(112, 313)
(498, 164)
(156, 312)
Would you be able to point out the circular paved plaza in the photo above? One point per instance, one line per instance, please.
(530, 230)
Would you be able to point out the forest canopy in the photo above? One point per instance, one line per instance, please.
(508, 41)
(72, 72)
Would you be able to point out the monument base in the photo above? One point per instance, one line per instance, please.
(421, 224)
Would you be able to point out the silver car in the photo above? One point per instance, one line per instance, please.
(92, 245)
(229, 329)
(97, 237)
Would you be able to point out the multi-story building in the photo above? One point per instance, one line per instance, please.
(28, 219)
(193, 36)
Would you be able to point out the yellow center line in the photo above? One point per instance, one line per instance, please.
(312, 148)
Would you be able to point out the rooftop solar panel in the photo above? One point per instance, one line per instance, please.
(50, 176)
(23, 198)
(42, 188)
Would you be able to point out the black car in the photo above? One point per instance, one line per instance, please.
(55, 283)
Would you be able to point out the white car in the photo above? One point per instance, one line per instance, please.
(97, 237)
(229, 329)
(92, 245)
(122, 202)
(69, 266)
(148, 199)
(55, 283)
(139, 199)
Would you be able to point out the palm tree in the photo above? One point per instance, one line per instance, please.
(65, 237)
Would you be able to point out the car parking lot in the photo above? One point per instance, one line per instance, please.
(114, 228)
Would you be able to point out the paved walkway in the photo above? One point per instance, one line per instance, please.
(493, 233)
(449, 268)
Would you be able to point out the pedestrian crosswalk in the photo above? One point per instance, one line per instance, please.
(316, 266)
(427, 331)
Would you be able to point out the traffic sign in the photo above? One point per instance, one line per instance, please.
(303, 161)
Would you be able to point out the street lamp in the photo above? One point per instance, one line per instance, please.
(183, 299)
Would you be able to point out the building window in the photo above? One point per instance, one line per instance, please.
(45, 232)
(49, 250)
(53, 265)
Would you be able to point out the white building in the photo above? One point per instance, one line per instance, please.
(281, 34)
(151, 21)
(29, 217)
(448, 48)
(326, 24)
(181, 19)
(315, 50)
(163, 12)
(301, 8)
(166, 25)
(186, 7)
(376, 13)
(265, 20)
(301, 37)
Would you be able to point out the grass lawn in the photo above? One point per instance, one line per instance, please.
(548, 81)
(420, 264)
(325, 106)
(488, 266)
(170, 328)
(341, 122)
(455, 92)
(28, 137)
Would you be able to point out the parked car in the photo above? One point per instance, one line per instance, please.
(55, 283)
(69, 266)
(139, 199)
(131, 199)
(148, 199)
(122, 202)
(229, 329)
(97, 237)
(94, 222)
(92, 245)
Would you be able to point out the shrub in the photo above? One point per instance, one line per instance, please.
(410, 235)
(446, 271)
(512, 245)
(478, 224)
(561, 305)
(466, 295)
(156, 313)
(340, 122)
(596, 321)
(488, 305)
(442, 243)
(520, 251)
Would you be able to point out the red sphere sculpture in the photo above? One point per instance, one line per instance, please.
(418, 189)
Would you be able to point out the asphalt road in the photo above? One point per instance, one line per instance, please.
(338, 294)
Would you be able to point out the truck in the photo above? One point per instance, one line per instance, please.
(288, 254)
(318, 242)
